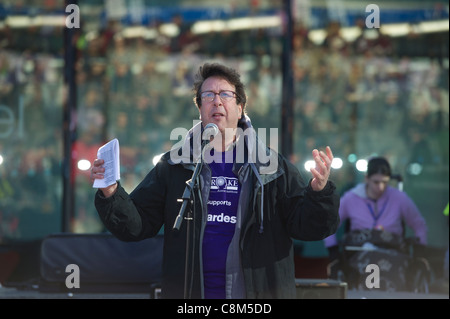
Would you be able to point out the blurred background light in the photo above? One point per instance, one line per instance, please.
(352, 158)
(84, 165)
(337, 163)
(415, 169)
(361, 165)
(309, 164)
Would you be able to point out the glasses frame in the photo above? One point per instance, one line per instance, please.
(205, 99)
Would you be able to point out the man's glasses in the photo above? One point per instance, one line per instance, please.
(209, 96)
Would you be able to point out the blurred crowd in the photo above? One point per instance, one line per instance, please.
(359, 97)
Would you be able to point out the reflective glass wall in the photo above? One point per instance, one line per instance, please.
(362, 90)
(31, 108)
(369, 91)
(135, 71)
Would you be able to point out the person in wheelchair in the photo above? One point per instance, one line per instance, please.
(376, 215)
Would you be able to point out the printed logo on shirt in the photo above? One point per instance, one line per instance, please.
(224, 184)
(219, 203)
(222, 218)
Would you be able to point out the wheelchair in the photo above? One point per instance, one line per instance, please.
(399, 262)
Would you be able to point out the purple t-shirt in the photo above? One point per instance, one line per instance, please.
(222, 208)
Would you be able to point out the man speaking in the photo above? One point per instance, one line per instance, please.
(247, 205)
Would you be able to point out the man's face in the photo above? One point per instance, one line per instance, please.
(376, 185)
(223, 113)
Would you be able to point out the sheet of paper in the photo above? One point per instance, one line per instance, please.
(110, 153)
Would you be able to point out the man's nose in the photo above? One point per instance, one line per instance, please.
(217, 100)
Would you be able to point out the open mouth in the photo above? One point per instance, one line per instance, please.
(217, 115)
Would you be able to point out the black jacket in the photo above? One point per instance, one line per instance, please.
(273, 208)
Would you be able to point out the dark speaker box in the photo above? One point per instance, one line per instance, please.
(105, 263)
(320, 289)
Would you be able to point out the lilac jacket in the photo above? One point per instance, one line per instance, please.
(393, 207)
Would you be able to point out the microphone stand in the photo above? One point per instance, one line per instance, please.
(187, 196)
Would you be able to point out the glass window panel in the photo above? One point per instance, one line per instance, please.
(367, 91)
(135, 84)
(31, 147)
(361, 90)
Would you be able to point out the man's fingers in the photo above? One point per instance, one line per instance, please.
(97, 169)
(322, 170)
(329, 153)
(315, 173)
(323, 160)
(98, 162)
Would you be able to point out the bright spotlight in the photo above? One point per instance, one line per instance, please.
(361, 165)
(415, 169)
(84, 165)
(1, 160)
(156, 159)
(337, 163)
(309, 164)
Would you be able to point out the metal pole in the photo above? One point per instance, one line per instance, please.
(69, 125)
(287, 107)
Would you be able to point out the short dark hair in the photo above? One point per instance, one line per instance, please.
(378, 165)
(216, 69)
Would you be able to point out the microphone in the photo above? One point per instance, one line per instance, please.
(211, 130)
